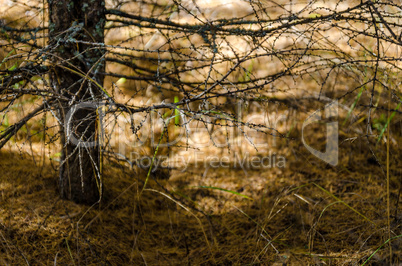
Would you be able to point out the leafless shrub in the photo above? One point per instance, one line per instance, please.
(175, 68)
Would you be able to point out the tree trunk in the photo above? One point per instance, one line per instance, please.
(76, 65)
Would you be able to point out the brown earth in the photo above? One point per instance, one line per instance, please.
(306, 213)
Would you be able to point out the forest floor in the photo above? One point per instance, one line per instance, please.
(304, 213)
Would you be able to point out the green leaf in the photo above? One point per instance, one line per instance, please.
(354, 104)
(227, 190)
(344, 203)
(5, 58)
(5, 121)
(314, 15)
(388, 240)
(13, 66)
(388, 121)
(176, 112)
(121, 81)
(57, 154)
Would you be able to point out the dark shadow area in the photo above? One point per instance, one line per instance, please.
(307, 212)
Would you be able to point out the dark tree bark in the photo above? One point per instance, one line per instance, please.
(76, 66)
